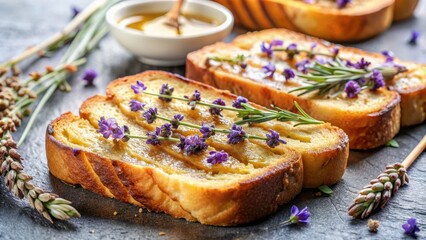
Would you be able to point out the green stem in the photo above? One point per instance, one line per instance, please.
(37, 110)
(198, 102)
(159, 138)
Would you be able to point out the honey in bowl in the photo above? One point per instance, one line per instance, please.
(154, 24)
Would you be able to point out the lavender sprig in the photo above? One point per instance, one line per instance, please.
(17, 95)
(17, 181)
(379, 191)
(385, 185)
(249, 114)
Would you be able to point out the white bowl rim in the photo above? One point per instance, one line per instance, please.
(229, 19)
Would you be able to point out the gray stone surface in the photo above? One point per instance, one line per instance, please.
(26, 22)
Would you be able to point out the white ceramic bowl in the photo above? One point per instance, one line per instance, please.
(167, 51)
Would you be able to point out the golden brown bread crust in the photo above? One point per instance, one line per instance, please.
(321, 167)
(356, 22)
(365, 130)
(404, 9)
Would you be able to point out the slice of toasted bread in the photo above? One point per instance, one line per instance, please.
(358, 21)
(251, 184)
(404, 9)
(370, 120)
(410, 85)
(324, 148)
(162, 183)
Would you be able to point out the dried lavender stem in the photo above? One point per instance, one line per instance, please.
(71, 26)
(415, 153)
(385, 186)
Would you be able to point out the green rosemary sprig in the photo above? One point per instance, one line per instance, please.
(333, 77)
(249, 114)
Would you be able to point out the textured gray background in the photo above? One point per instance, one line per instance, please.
(26, 22)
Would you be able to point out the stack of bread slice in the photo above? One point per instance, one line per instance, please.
(254, 181)
(370, 120)
(358, 20)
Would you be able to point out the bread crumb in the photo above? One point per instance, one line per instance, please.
(373, 225)
(115, 213)
(161, 233)
(140, 210)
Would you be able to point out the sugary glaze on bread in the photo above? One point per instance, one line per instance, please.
(251, 185)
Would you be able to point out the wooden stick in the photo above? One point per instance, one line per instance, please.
(71, 26)
(415, 153)
(173, 15)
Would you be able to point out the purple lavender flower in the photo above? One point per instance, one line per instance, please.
(138, 87)
(192, 144)
(216, 110)
(236, 135)
(301, 216)
(276, 43)
(267, 49)
(136, 105)
(292, 47)
(342, 3)
(414, 37)
(176, 120)
(192, 101)
(335, 51)
(150, 115)
(166, 130)
(361, 81)
(288, 73)
(153, 137)
(309, 1)
(274, 139)
(314, 45)
(238, 101)
(377, 79)
(207, 130)
(217, 157)
(75, 11)
(352, 89)
(75, 151)
(362, 64)
(303, 66)
(269, 69)
(109, 127)
(165, 90)
(411, 227)
(389, 56)
(89, 76)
